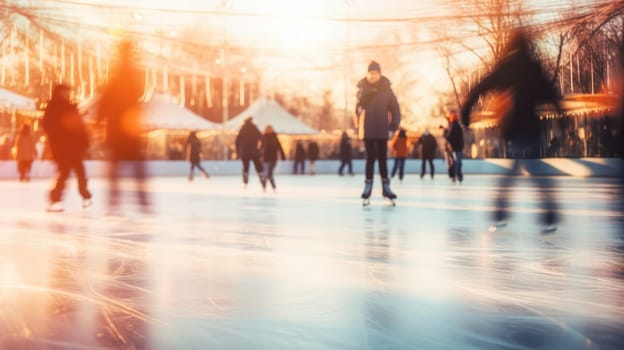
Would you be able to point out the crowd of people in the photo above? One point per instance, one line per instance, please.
(377, 119)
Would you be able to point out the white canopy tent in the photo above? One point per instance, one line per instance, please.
(160, 112)
(268, 112)
(10, 100)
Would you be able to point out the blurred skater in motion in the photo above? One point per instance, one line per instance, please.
(522, 76)
(120, 109)
(68, 141)
(428, 146)
(26, 152)
(455, 142)
(377, 115)
(399, 152)
(300, 157)
(192, 148)
(271, 151)
(249, 144)
(346, 154)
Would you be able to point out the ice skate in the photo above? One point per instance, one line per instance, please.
(55, 207)
(263, 182)
(496, 227)
(87, 202)
(387, 192)
(368, 189)
(548, 229)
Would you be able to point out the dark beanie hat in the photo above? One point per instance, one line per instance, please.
(373, 65)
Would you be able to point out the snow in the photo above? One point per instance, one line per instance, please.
(216, 266)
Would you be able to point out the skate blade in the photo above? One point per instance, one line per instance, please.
(391, 202)
(549, 229)
(497, 227)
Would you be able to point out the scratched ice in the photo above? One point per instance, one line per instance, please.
(307, 267)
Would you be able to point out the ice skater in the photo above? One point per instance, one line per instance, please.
(523, 77)
(68, 141)
(26, 152)
(192, 147)
(377, 115)
(428, 146)
(120, 109)
(399, 152)
(249, 142)
(346, 154)
(455, 142)
(313, 156)
(299, 158)
(271, 151)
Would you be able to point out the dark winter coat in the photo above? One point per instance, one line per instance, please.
(313, 151)
(67, 134)
(455, 136)
(428, 146)
(346, 153)
(249, 141)
(373, 104)
(524, 79)
(300, 154)
(272, 148)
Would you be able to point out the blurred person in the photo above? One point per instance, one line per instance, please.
(41, 147)
(313, 156)
(522, 76)
(399, 152)
(26, 152)
(68, 141)
(5, 147)
(428, 146)
(455, 142)
(192, 147)
(300, 156)
(120, 109)
(249, 143)
(377, 115)
(272, 149)
(346, 154)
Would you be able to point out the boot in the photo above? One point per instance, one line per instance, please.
(245, 178)
(368, 189)
(386, 191)
(263, 181)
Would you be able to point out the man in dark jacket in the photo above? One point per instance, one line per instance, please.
(522, 76)
(455, 139)
(346, 155)
(249, 144)
(68, 140)
(428, 146)
(375, 99)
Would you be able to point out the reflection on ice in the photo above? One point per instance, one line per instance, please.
(310, 268)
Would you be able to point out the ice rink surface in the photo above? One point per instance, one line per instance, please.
(307, 267)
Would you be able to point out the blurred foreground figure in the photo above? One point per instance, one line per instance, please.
(68, 140)
(120, 110)
(521, 76)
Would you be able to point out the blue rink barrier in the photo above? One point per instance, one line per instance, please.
(579, 167)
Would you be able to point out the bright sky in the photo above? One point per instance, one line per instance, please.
(305, 46)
